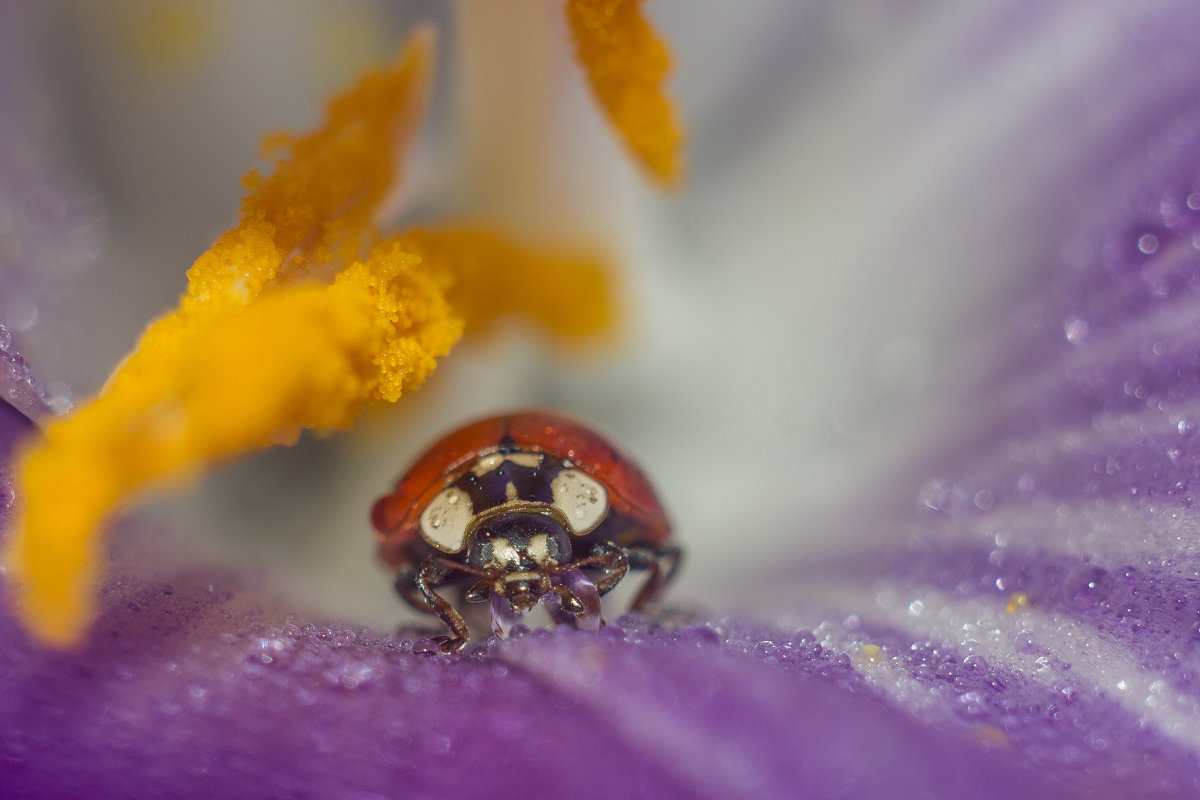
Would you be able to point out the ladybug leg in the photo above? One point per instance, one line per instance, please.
(433, 573)
(406, 587)
(567, 599)
(578, 600)
(660, 561)
(610, 560)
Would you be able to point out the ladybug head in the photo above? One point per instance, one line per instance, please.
(518, 550)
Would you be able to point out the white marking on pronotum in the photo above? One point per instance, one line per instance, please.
(581, 499)
(494, 461)
(444, 521)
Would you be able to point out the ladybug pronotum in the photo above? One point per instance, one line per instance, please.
(516, 508)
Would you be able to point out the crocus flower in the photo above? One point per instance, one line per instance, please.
(1028, 630)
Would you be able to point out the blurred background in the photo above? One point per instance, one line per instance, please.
(866, 181)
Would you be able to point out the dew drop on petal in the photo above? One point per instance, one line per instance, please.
(426, 647)
(1076, 330)
(504, 616)
(58, 397)
(1148, 243)
(586, 591)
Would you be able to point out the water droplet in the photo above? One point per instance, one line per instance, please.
(1193, 201)
(425, 647)
(504, 616)
(764, 648)
(59, 397)
(350, 676)
(1148, 243)
(700, 634)
(802, 637)
(1076, 330)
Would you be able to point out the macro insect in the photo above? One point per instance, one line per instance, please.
(517, 509)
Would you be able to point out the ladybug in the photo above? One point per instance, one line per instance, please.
(514, 508)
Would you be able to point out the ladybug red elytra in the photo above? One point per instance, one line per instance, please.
(518, 507)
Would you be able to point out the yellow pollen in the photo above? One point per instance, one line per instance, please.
(1016, 602)
(296, 319)
(990, 735)
(626, 64)
(873, 653)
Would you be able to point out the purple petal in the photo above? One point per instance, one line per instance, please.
(13, 425)
(1049, 582)
(21, 395)
(1037, 634)
(181, 692)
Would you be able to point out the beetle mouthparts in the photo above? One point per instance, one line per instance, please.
(523, 593)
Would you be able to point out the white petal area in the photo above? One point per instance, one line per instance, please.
(865, 175)
(1106, 533)
(1031, 643)
(1176, 325)
(887, 672)
(802, 309)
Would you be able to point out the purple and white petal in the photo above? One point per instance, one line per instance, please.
(966, 242)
